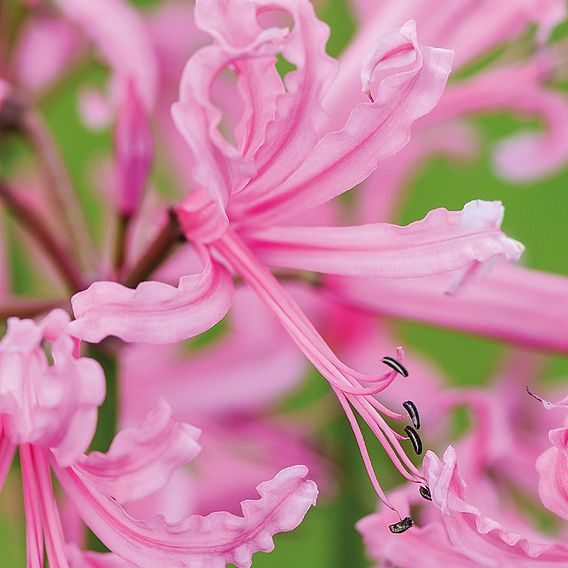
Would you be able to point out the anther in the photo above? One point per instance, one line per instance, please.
(395, 365)
(425, 492)
(401, 526)
(412, 411)
(414, 438)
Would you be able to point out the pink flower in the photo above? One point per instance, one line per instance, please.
(497, 459)
(285, 164)
(49, 412)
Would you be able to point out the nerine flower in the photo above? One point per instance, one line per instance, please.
(497, 459)
(286, 162)
(48, 412)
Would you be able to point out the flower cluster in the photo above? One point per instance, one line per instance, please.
(144, 368)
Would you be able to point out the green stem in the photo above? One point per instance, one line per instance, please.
(351, 507)
(107, 425)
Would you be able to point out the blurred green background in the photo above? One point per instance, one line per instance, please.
(536, 214)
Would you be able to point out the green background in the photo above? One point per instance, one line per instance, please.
(536, 214)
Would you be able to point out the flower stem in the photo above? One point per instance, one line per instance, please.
(158, 250)
(123, 222)
(32, 221)
(107, 425)
(29, 308)
(60, 193)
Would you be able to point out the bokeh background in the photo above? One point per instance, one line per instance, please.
(536, 214)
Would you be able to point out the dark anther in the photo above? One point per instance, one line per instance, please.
(395, 365)
(425, 492)
(414, 438)
(410, 407)
(401, 526)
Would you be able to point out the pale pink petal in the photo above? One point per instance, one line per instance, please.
(298, 114)
(527, 155)
(373, 132)
(234, 23)
(552, 467)
(141, 460)
(80, 559)
(154, 312)
(118, 32)
(510, 303)
(7, 452)
(219, 168)
(427, 544)
(46, 48)
(249, 367)
(95, 109)
(49, 405)
(443, 241)
(477, 536)
(200, 542)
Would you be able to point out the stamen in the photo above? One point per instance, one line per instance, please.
(414, 438)
(410, 407)
(401, 526)
(425, 492)
(395, 365)
(544, 402)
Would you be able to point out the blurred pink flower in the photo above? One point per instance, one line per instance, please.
(498, 459)
(50, 413)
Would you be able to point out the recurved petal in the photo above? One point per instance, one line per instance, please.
(443, 241)
(200, 542)
(474, 534)
(373, 131)
(141, 460)
(118, 32)
(220, 167)
(154, 312)
(552, 467)
(429, 545)
(510, 303)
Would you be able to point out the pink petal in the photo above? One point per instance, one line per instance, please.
(79, 559)
(511, 303)
(248, 368)
(141, 460)
(46, 49)
(477, 536)
(118, 32)
(234, 23)
(154, 312)
(7, 451)
(298, 114)
(443, 241)
(373, 132)
(429, 544)
(219, 167)
(49, 405)
(552, 467)
(527, 155)
(212, 541)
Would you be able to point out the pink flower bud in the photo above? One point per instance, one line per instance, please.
(134, 151)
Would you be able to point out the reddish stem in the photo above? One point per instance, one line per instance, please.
(169, 237)
(32, 221)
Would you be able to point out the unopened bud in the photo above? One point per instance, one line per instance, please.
(134, 151)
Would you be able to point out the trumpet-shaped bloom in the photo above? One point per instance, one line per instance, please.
(49, 412)
(285, 164)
